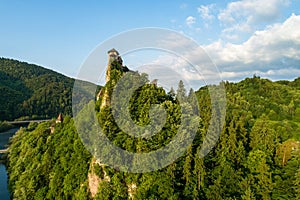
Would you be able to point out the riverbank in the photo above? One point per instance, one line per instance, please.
(4, 142)
(4, 137)
(4, 126)
(3, 158)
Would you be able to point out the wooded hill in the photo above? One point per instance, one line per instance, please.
(30, 91)
(256, 157)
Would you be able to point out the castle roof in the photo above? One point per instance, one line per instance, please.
(59, 118)
(113, 50)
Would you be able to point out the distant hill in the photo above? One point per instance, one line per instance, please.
(31, 91)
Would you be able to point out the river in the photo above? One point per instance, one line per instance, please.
(4, 138)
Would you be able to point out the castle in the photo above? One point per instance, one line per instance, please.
(113, 56)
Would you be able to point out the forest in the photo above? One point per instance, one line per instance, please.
(256, 157)
(32, 92)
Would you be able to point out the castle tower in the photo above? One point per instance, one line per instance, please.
(113, 55)
(59, 118)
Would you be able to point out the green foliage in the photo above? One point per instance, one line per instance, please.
(51, 166)
(32, 91)
(297, 184)
(256, 157)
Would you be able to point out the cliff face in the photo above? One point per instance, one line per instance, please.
(115, 70)
(113, 59)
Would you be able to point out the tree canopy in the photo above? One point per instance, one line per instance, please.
(256, 157)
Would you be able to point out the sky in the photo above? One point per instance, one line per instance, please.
(242, 38)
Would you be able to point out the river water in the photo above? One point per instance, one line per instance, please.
(4, 138)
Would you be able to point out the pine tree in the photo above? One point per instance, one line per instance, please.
(181, 92)
(297, 184)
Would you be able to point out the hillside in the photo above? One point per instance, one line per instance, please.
(32, 91)
(257, 155)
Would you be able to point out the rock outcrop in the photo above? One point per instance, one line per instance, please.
(114, 62)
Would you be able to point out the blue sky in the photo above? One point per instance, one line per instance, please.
(243, 37)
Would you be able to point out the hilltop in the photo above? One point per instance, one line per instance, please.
(31, 91)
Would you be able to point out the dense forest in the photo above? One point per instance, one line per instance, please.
(32, 91)
(256, 157)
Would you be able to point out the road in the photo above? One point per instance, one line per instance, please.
(2, 151)
(27, 121)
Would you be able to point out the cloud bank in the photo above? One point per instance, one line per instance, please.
(244, 16)
(270, 51)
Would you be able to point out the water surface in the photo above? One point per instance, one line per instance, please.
(4, 193)
(4, 139)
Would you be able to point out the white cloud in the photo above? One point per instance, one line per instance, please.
(275, 48)
(190, 20)
(244, 15)
(273, 52)
(277, 74)
(205, 11)
(238, 28)
(252, 10)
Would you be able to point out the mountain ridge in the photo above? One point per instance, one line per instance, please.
(32, 91)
